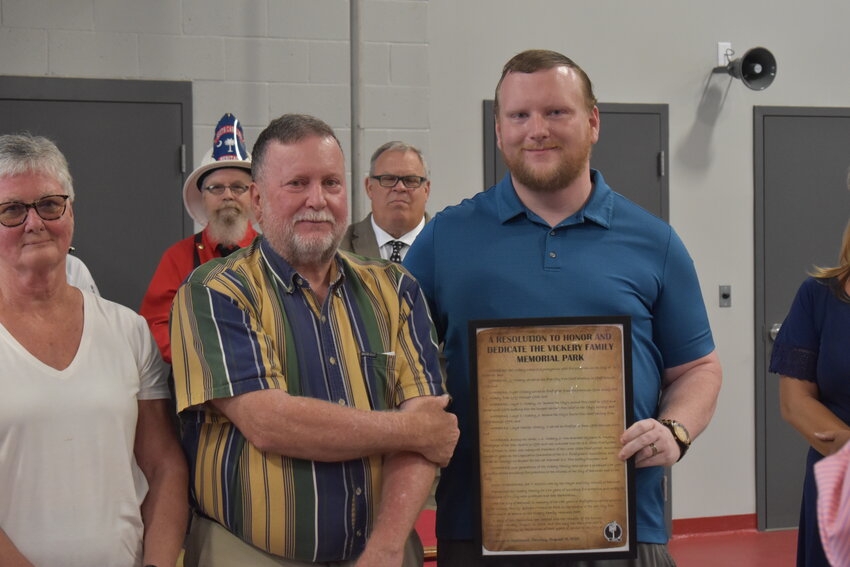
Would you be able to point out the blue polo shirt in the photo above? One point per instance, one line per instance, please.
(491, 257)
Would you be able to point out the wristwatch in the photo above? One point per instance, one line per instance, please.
(680, 434)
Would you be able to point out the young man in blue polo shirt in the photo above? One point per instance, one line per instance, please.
(552, 239)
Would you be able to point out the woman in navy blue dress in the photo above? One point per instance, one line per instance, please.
(812, 355)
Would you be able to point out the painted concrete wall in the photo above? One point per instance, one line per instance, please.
(660, 52)
(422, 71)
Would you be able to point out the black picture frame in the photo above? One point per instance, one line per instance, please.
(552, 557)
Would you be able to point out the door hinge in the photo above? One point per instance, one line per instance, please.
(182, 158)
(661, 169)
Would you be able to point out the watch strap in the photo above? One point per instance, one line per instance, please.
(684, 444)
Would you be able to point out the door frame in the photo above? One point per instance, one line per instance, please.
(13, 87)
(116, 97)
(761, 326)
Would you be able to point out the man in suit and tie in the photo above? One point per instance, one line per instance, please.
(398, 187)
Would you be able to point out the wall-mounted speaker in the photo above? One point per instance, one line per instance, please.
(756, 69)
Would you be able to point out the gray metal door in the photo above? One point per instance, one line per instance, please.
(631, 152)
(123, 143)
(801, 206)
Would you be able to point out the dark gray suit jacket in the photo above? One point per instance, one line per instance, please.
(360, 238)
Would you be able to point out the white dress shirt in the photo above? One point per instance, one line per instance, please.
(385, 239)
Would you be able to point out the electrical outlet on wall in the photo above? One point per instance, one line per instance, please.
(725, 296)
(724, 52)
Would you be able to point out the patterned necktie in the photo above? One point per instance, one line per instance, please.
(397, 246)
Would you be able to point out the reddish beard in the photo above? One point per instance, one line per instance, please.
(554, 178)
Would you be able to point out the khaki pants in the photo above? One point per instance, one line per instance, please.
(211, 545)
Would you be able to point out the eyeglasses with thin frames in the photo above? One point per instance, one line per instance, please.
(236, 189)
(409, 181)
(50, 207)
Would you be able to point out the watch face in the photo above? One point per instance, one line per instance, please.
(681, 433)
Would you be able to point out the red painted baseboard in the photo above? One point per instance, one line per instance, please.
(691, 526)
(425, 527)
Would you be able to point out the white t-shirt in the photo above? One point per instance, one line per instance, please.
(70, 488)
(79, 275)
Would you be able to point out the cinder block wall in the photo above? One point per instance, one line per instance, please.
(393, 81)
(255, 58)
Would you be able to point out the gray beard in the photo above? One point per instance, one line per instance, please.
(303, 253)
(228, 228)
(299, 251)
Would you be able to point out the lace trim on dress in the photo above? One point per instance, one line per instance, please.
(795, 362)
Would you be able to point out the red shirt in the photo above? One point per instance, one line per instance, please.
(176, 264)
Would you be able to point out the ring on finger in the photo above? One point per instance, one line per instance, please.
(655, 450)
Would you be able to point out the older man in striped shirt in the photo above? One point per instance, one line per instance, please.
(307, 380)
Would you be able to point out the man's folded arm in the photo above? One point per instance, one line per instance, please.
(307, 428)
(407, 479)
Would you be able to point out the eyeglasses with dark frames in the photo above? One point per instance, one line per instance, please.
(409, 181)
(51, 207)
(236, 189)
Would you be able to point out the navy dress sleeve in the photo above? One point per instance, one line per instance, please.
(795, 351)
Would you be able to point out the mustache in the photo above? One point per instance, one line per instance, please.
(315, 216)
(541, 147)
(229, 206)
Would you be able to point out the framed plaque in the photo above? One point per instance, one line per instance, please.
(550, 399)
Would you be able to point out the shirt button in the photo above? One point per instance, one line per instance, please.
(552, 233)
(359, 533)
(332, 360)
(552, 255)
(324, 319)
(298, 281)
(341, 402)
(358, 491)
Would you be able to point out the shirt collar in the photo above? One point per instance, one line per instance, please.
(288, 276)
(598, 209)
(383, 237)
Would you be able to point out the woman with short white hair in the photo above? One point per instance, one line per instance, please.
(90, 469)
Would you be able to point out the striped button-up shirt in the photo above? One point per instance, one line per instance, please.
(250, 322)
